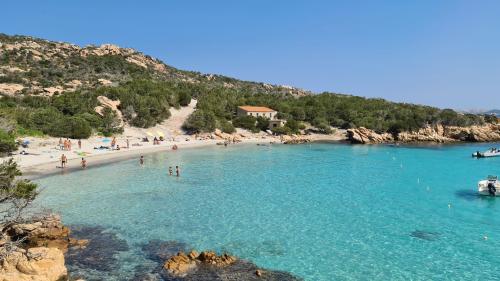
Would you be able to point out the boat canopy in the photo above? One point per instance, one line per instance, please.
(492, 178)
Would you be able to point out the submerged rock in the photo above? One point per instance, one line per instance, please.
(160, 251)
(425, 235)
(96, 250)
(177, 264)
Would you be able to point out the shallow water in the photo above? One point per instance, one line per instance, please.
(319, 211)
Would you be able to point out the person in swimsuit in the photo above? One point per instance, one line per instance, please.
(84, 163)
(141, 161)
(177, 171)
(63, 161)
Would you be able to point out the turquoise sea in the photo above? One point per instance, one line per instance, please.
(319, 211)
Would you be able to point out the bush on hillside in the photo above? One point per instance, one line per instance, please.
(7, 142)
(200, 122)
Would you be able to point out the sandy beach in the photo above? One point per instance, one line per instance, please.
(43, 155)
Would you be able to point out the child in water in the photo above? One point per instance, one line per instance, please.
(177, 171)
(141, 161)
(170, 172)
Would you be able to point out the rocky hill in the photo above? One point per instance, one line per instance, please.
(35, 66)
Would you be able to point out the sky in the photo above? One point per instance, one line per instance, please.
(441, 53)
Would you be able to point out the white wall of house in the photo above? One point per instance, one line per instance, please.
(269, 115)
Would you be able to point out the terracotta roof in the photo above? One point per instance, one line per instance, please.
(256, 108)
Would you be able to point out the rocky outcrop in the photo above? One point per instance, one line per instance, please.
(111, 104)
(34, 264)
(365, 136)
(181, 263)
(294, 139)
(46, 232)
(437, 133)
(10, 89)
(39, 254)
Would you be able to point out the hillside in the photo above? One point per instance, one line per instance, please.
(39, 67)
(495, 112)
(63, 90)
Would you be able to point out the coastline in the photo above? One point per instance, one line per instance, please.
(51, 166)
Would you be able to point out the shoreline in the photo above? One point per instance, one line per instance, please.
(51, 167)
(46, 167)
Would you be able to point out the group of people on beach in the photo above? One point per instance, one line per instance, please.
(66, 144)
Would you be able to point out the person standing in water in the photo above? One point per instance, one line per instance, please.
(177, 171)
(141, 160)
(84, 163)
(63, 161)
(170, 172)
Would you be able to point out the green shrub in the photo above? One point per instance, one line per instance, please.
(227, 127)
(262, 123)
(7, 142)
(71, 127)
(184, 98)
(199, 122)
(110, 124)
(281, 130)
(246, 122)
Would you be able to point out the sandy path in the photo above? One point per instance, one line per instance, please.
(170, 127)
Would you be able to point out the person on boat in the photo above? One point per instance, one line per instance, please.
(141, 160)
(63, 161)
(170, 172)
(177, 171)
(84, 163)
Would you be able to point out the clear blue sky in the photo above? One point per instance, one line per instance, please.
(442, 53)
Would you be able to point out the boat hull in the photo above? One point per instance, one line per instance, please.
(483, 188)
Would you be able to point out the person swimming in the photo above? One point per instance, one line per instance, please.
(141, 160)
(170, 172)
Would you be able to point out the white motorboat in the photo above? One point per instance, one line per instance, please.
(492, 152)
(489, 187)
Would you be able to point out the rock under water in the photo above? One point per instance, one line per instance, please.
(98, 256)
(206, 266)
(425, 235)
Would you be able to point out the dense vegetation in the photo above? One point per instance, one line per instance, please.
(322, 111)
(144, 103)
